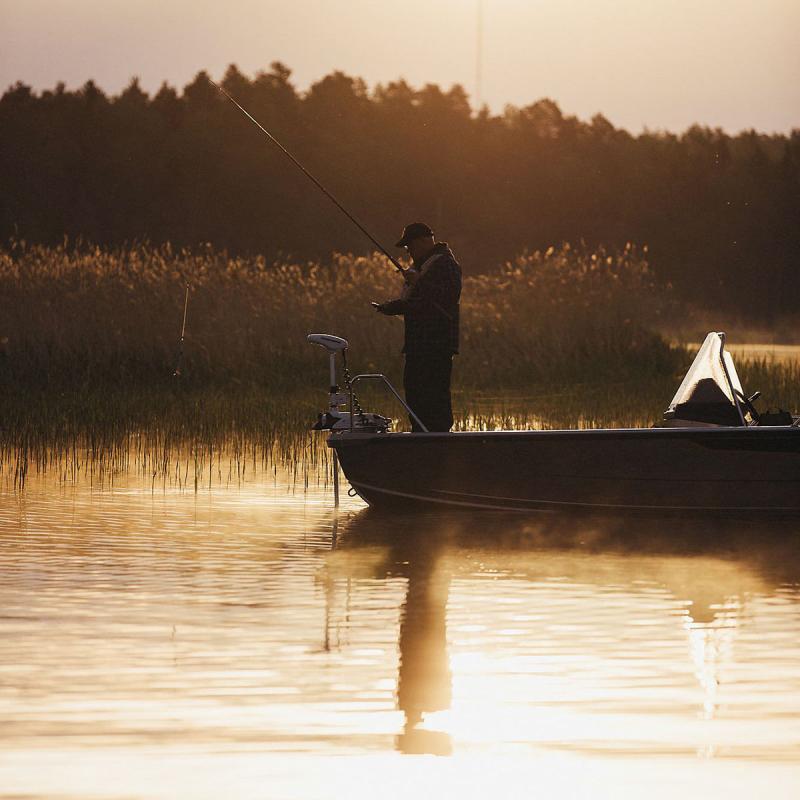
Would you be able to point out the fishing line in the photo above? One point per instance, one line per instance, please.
(177, 372)
(314, 180)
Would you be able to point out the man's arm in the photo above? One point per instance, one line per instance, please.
(392, 307)
(400, 306)
(435, 291)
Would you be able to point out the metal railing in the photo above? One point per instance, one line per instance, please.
(734, 392)
(380, 376)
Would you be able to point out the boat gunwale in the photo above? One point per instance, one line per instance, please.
(345, 437)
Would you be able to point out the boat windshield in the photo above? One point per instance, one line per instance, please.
(707, 394)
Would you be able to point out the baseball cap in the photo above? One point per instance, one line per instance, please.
(416, 230)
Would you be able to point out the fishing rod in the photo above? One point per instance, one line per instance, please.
(314, 180)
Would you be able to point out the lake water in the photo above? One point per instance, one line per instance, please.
(246, 641)
(772, 353)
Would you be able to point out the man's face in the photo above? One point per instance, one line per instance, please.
(420, 247)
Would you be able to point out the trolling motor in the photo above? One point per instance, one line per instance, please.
(334, 419)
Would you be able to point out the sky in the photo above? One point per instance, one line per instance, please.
(659, 64)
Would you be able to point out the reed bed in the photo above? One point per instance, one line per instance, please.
(212, 438)
(89, 345)
(85, 317)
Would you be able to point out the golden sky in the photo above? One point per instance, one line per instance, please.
(654, 63)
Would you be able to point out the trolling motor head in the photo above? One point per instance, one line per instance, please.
(334, 345)
(335, 418)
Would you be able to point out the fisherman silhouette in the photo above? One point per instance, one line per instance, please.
(429, 304)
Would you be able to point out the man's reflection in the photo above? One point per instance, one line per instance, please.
(424, 679)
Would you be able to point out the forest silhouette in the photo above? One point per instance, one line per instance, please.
(719, 213)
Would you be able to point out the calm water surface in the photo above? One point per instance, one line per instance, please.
(246, 641)
(777, 353)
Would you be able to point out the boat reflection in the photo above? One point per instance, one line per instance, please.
(702, 574)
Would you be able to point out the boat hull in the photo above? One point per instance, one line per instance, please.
(671, 470)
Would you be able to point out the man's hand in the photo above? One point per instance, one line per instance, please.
(410, 276)
(379, 307)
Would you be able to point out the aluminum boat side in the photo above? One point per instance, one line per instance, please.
(660, 470)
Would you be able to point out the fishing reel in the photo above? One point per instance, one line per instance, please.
(334, 419)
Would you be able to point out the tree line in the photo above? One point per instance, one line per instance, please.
(719, 213)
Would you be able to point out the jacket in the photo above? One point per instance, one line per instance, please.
(430, 306)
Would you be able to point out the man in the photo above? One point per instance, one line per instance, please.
(429, 305)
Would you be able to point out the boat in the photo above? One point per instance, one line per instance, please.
(713, 453)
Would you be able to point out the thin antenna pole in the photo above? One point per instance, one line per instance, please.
(308, 175)
(479, 56)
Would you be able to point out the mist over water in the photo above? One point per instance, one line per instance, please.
(246, 639)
